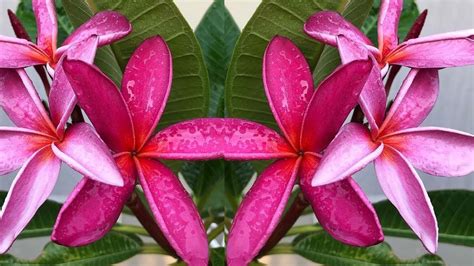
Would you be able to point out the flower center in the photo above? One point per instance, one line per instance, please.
(134, 153)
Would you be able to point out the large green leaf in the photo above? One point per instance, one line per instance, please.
(245, 96)
(322, 248)
(218, 257)
(237, 176)
(217, 34)
(453, 210)
(190, 91)
(113, 248)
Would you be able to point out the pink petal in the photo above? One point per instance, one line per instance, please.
(104, 105)
(62, 98)
(174, 211)
(389, 16)
(436, 151)
(82, 149)
(325, 26)
(334, 99)
(31, 187)
(17, 145)
(21, 102)
(349, 152)
(403, 187)
(288, 85)
(260, 211)
(342, 208)
(436, 51)
(373, 98)
(146, 85)
(46, 23)
(93, 208)
(109, 26)
(19, 53)
(212, 138)
(414, 101)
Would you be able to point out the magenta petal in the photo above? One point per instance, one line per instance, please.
(21, 102)
(288, 85)
(17, 145)
(334, 99)
(389, 16)
(82, 149)
(212, 138)
(349, 152)
(109, 26)
(31, 187)
(93, 208)
(414, 101)
(103, 103)
(403, 187)
(46, 23)
(436, 51)
(342, 208)
(260, 211)
(19, 53)
(174, 211)
(325, 26)
(436, 151)
(146, 85)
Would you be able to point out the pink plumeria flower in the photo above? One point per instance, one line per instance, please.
(436, 51)
(399, 146)
(126, 121)
(38, 148)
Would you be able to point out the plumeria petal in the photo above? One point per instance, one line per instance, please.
(414, 101)
(288, 84)
(93, 208)
(325, 26)
(62, 98)
(82, 149)
(17, 145)
(174, 211)
(436, 151)
(342, 208)
(349, 152)
(21, 102)
(19, 53)
(389, 16)
(212, 138)
(104, 105)
(260, 211)
(109, 26)
(47, 25)
(403, 187)
(146, 85)
(334, 99)
(31, 187)
(436, 51)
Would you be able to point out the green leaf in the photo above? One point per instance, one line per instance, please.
(43, 221)
(322, 248)
(189, 95)
(453, 210)
(245, 95)
(217, 34)
(237, 176)
(409, 14)
(113, 248)
(218, 257)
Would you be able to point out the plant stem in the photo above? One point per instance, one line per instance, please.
(215, 232)
(281, 249)
(304, 229)
(149, 224)
(126, 228)
(286, 222)
(153, 249)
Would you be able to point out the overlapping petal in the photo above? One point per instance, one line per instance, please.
(146, 85)
(389, 16)
(93, 208)
(211, 138)
(47, 25)
(174, 211)
(260, 211)
(403, 187)
(31, 187)
(288, 85)
(19, 53)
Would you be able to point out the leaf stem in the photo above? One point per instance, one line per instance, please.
(281, 249)
(153, 249)
(126, 228)
(296, 230)
(216, 232)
